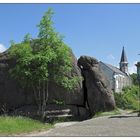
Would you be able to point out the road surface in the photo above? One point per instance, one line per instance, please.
(118, 125)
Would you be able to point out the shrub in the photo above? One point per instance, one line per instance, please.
(128, 98)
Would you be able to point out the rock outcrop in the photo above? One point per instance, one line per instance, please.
(14, 97)
(12, 94)
(73, 97)
(99, 95)
(90, 94)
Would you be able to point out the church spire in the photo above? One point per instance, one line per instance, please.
(123, 57)
(124, 62)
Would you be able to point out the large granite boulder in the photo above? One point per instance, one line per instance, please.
(91, 94)
(99, 95)
(72, 97)
(13, 96)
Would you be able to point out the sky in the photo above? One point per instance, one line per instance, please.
(97, 30)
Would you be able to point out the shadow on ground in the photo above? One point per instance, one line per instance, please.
(123, 116)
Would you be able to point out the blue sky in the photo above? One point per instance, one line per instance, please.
(97, 30)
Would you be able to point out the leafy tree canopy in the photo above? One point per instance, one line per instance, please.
(39, 61)
(48, 58)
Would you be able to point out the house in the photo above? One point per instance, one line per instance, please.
(117, 78)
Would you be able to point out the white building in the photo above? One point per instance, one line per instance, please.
(117, 78)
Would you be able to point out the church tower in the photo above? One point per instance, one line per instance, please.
(124, 62)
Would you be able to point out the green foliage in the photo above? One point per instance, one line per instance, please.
(18, 125)
(61, 64)
(49, 59)
(12, 42)
(22, 54)
(128, 99)
(134, 79)
(69, 83)
(33, 65)
(27, 38)
(46, 30)
(113, 112)
(58, 102)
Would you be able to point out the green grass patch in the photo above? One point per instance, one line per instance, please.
(108, 113)
(17, 125)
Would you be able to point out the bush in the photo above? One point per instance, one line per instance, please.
(128, 98)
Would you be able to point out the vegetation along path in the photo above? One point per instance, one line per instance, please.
(126, 124)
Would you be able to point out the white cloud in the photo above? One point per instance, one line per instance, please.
(132, 68)
(110, 56)
(2, 48)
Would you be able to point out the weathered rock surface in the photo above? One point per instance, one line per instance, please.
(73, 97)
(99, 96)
(53, 112)
(92, 92)
(13, 96)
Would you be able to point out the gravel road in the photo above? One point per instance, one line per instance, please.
(118, 125)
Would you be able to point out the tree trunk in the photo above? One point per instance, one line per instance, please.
(43, 102)
(37, 94)
(39, 98)
(47, 91)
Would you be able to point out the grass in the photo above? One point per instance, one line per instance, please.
(17, 125)
(108, 113)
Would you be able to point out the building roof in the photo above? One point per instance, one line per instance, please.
(123, 56)
(114, 69)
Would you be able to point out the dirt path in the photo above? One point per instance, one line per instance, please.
(125, 124)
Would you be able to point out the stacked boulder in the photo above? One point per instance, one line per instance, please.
(99, 95)
(88, 97)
